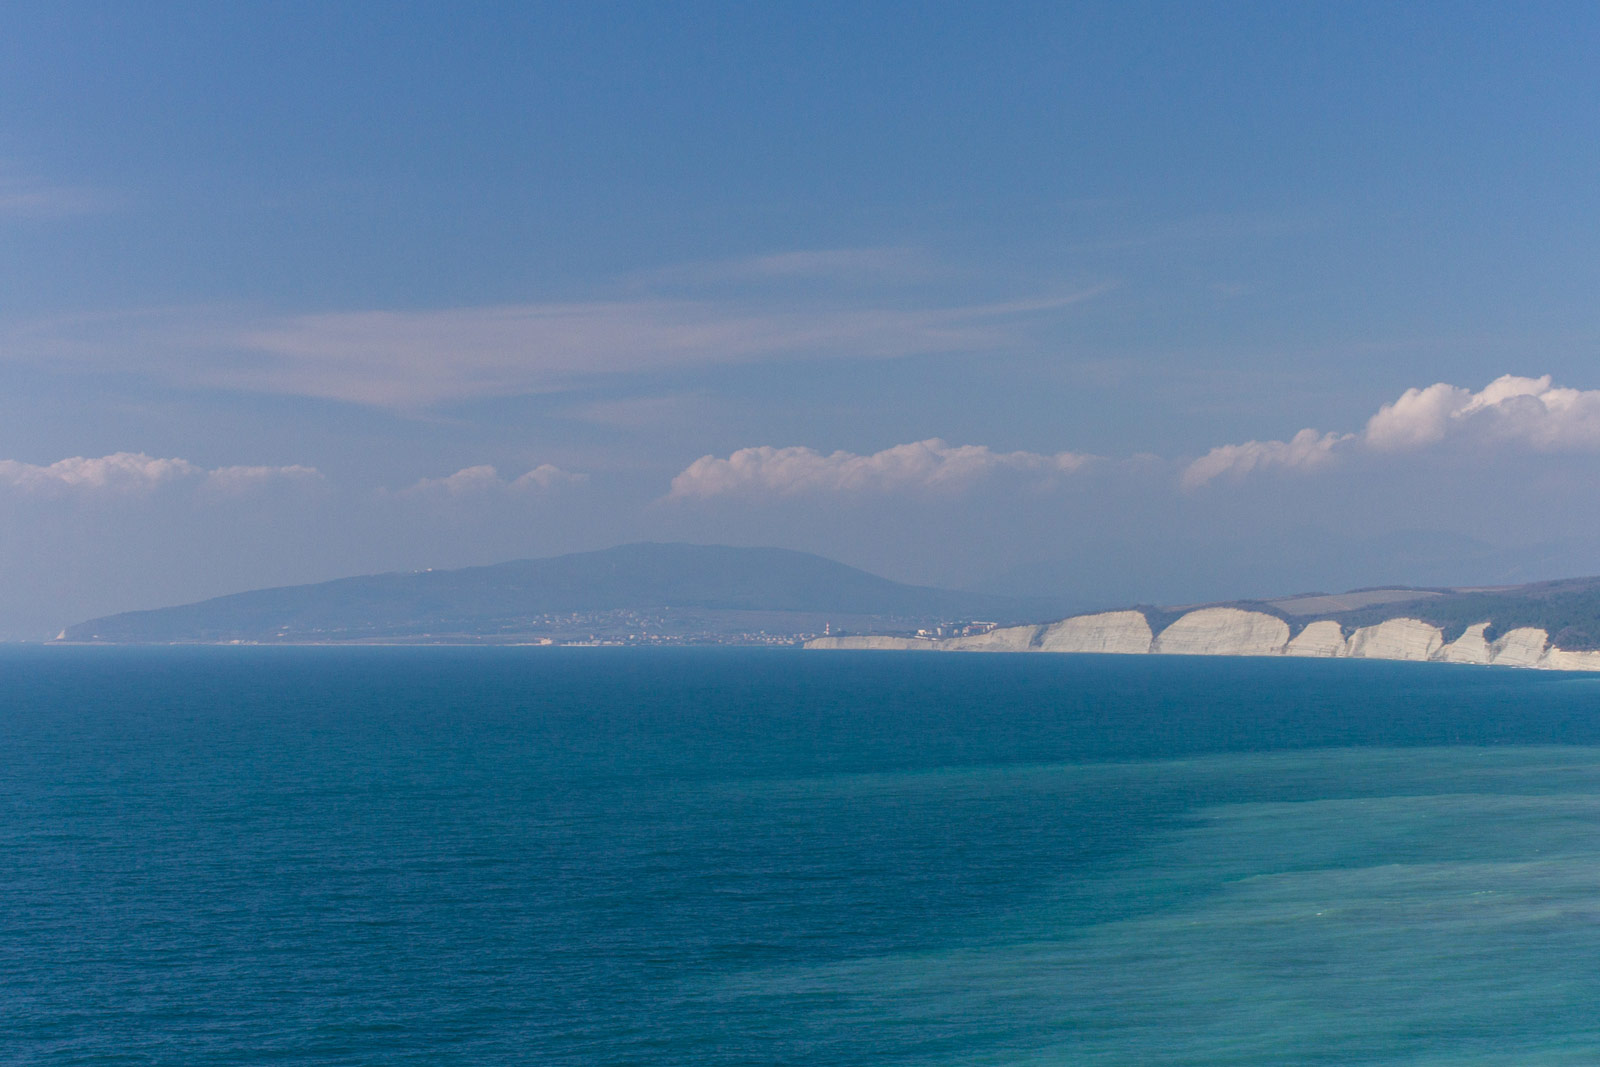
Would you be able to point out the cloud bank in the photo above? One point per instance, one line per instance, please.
(1510, 412)
(132, 473)
(921, 465)
(1305, 449)
(1528, 412)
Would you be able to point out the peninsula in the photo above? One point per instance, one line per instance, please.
(639, 594)
(1551, 625)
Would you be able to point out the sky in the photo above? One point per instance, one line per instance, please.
(1116, 302)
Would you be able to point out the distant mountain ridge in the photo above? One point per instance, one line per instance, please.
(669, 584)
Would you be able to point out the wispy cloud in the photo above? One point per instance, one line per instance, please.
(1511, 412)
(828, 264)
(646, 412)
(414, 359)
(132, 473)
(31, 199)
(923, 465)
(408, 359)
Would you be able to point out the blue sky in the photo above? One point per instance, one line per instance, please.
(278, 283)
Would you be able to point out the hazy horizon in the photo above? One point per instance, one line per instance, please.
(1125, 303)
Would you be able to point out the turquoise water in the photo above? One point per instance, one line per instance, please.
(386, 856)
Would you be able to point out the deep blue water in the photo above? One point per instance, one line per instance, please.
(439, 856)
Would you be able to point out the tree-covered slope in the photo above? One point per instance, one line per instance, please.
(1568, 610)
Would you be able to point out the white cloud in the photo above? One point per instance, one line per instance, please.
(135, 472)
(546, 476)
(1420, 417)
(1306, 449)
(925, 465)
(1529, 412)
(466, 480)
(486, 479)
(240, 479)
(120, 472)
(1510, 411)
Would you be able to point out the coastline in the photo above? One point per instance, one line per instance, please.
(1226, 631)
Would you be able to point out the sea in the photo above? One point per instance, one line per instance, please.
(274, 855)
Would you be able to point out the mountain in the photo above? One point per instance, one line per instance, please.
(665, 589)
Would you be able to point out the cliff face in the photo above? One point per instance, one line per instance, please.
(875, 643)
(1223, 632)
(1122, 632)
(1561, 660)
(1396, 639)
(1005, 639)
(1470, 647)
(1321, 638)
(1226, 631)
(1522, 647)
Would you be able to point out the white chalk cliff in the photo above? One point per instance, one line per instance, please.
(1396, 639)
(1005, 639)
(1321, 638)
(1522, 647)
(1124, 632)
(1470, 647)
(1224, 631)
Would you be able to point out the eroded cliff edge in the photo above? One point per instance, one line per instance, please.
(1231, 631)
